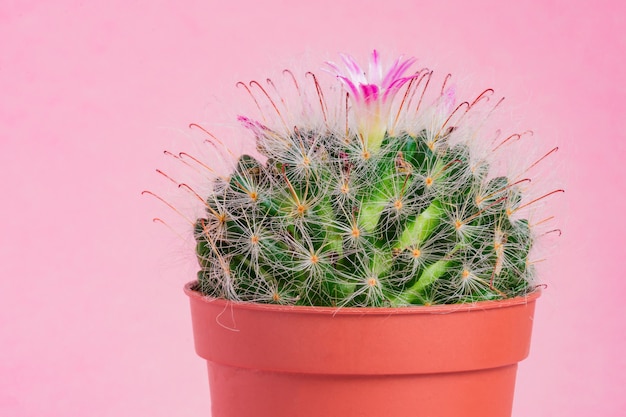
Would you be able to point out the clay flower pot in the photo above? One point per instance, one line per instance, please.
(440, 361)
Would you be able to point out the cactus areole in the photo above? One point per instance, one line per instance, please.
(368, 260)
(384, 200)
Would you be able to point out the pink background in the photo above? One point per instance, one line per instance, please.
(93, 321)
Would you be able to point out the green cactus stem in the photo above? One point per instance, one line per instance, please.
(350, 217)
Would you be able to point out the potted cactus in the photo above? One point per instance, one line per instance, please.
(368, 260)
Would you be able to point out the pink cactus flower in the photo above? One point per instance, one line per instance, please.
(372, 93)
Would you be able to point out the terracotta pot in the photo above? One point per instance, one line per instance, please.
(441, 361)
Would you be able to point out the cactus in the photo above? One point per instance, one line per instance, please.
(395, 207)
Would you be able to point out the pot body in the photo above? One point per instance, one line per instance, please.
(440, 361)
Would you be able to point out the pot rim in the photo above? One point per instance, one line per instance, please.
(374, 311)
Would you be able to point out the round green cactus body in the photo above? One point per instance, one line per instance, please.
(342, 217)
(403, 226)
